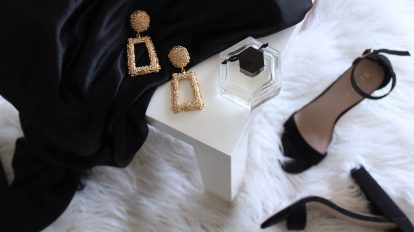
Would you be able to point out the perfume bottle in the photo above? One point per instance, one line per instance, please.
(250, 73)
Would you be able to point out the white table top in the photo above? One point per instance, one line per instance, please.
(221, 123)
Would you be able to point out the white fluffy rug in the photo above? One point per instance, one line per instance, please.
(162, 191)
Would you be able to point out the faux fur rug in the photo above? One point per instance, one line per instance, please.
(162, 191)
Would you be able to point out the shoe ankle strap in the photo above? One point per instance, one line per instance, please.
(385, 63)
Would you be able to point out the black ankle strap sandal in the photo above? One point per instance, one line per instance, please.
(386, 214)
(308, 131)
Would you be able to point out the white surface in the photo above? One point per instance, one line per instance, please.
(221, 123)
(217, 130)
(161, 191)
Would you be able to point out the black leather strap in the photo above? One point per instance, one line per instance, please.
(391, 52)
(302, 155)
(385, 63)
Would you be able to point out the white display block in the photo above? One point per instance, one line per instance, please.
(219, 132)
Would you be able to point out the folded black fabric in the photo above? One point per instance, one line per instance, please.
(63, 66)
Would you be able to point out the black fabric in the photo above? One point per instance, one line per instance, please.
(3, 180)
(40, 193)
(63, 66)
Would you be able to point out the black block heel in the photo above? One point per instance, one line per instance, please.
(379, 200)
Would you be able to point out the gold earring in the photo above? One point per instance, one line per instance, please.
(180, 58)
(140, 22)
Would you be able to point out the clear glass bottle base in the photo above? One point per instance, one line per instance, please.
(245, 90)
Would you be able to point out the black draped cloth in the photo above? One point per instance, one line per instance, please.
(63, 65)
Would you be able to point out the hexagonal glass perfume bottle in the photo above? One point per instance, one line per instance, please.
(250, 73)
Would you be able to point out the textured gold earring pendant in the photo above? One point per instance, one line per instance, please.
(180, 58)
(140, 22)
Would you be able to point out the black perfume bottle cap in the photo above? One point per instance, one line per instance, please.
(251, 61)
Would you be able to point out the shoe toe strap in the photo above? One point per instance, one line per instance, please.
(385, 63)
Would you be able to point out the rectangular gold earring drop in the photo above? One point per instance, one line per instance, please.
(196, 104)
(140, 21)
(179, 57)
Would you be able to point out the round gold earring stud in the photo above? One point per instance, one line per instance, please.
(140, 21)
(179, 57)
